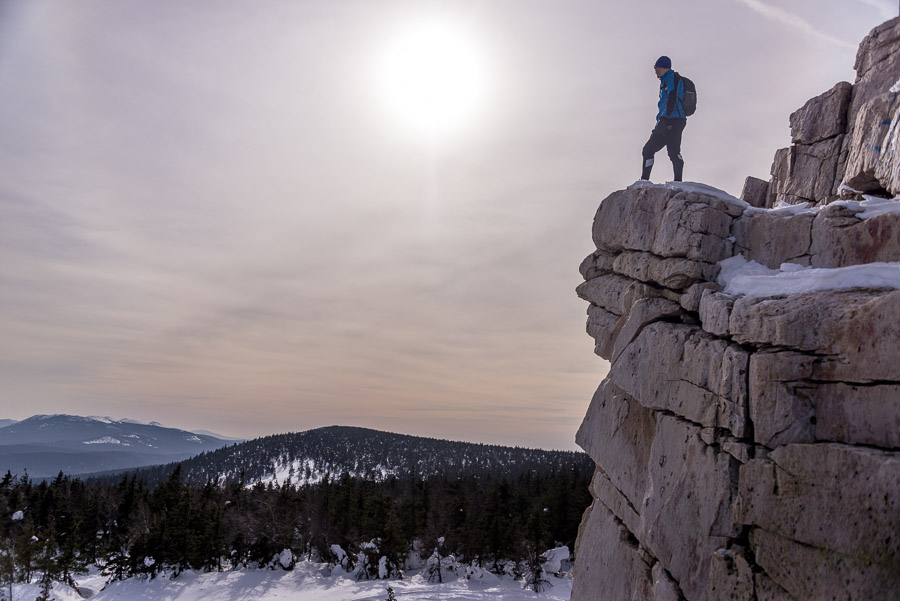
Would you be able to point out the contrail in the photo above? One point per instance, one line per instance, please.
(782, 16)
(887, 8)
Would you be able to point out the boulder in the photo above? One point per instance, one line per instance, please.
(872, 109)
(877, 64)
(673, 223)
(822, 117)
(772, 238)
(808, 172)
(780, 172)
(886, 170)
(755, 192)
(840, 238)
(868, 163)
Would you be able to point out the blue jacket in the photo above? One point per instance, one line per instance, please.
(666, 87)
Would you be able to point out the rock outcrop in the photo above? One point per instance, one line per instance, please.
(844, 142)
(747, 442)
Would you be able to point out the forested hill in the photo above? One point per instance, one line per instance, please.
(306, 457)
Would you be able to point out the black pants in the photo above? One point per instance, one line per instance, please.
(666, 133)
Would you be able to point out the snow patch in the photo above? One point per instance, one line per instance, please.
(741, 277)
(339, 553)
(787, 210)
(553, 559)
(695, 187)
(286, 559)
(106, 440)
(18, 516)
(307, 581)
(103, 419)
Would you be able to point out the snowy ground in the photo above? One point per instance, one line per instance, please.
(306, 582)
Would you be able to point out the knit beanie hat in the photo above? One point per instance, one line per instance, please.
(663, 62)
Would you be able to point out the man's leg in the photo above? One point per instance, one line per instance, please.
(673, 146)
(654, 144)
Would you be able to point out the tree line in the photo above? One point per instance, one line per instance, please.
(55, 529)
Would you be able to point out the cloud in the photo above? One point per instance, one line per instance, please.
(787, 18)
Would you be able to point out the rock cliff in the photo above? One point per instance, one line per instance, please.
(747, 437)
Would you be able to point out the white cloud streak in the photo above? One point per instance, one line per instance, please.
(887, 8)
(784, 17)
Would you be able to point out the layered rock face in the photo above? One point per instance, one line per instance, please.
(747, 444)
(844, 142)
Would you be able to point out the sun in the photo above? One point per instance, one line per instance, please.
(432, 77)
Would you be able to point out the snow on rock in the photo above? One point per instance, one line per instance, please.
(695, 187)
(741, 277)
(553, 559)
(286, 559)
(18, 516)
(786, 210)
(872, 206)
(477, 573)
(339, 554)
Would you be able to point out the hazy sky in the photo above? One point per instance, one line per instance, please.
(209, 218)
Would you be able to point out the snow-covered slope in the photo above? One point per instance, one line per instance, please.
(43, 445)
(307, 581)
(307, 457)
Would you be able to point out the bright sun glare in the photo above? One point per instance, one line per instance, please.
(432, 78)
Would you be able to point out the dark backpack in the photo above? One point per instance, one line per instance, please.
(689, 104)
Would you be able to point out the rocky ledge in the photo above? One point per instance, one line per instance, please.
(747, 437)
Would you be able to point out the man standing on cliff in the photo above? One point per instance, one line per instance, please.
(670, 120)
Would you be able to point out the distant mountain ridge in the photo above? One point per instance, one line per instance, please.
(307, 457)
(44, 445)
